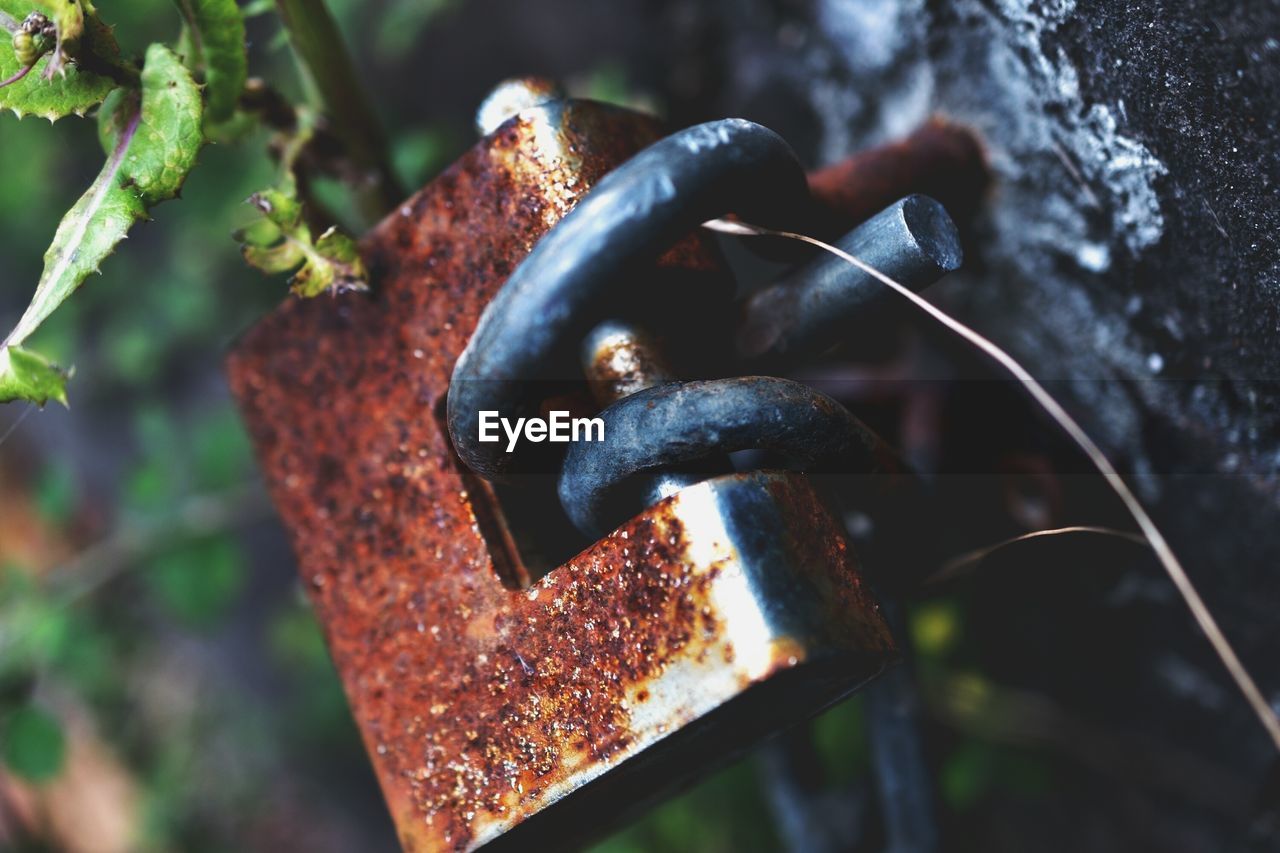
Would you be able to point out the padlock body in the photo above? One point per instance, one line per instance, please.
(500, 715)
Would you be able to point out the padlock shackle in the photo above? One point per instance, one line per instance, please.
(630, 217)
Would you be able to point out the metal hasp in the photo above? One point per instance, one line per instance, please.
(527, 717)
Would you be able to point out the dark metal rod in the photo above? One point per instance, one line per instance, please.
(621, 359)
(826, 300)
(682, 422)
(902, 776)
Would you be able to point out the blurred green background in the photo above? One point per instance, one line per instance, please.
(163, 685)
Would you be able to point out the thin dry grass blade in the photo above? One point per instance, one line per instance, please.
(972, 559)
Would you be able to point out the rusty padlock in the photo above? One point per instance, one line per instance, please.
(499, 710)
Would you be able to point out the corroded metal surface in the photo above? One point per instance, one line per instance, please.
(619, 359)
(940, 159)
(708, 620)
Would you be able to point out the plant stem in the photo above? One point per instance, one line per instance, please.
(328, 69)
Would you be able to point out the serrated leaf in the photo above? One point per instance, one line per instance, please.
(153, 153)
(169, 137)
(216, 29)
(72, 90)
(88, 233)
(24, 375)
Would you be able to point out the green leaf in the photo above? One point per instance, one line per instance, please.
(334, 265)
(34, 746)
(282, 241)
(35, 627)
(24, 375)
(280, 207)
(275, 259)
(169, 136)
(418, 154)
(114, 116)
(935, 627)
(216, 29)
(152, 153)
(71, 90)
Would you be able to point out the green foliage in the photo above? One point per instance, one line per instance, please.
(33, 629)
(63, 59)
(197, 581)
(87, 234)
(34, 746)
(55, 88)
(318, 711)
(216, 30)
(967, 775)
(55, 493)
(935, 626)
(209, 455)
(725, 814)
(67, 15)
(975, 769)
(220, 455)
(152, 152)
(418, 155)
(25, 375)
(840, 738)
(169, 136)
(98, 626)
(331, 263)
(282, 241)
(296, 640)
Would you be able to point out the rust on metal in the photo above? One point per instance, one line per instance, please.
(511, 96)
(619, 359)
(480, 704)
(940, 159)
